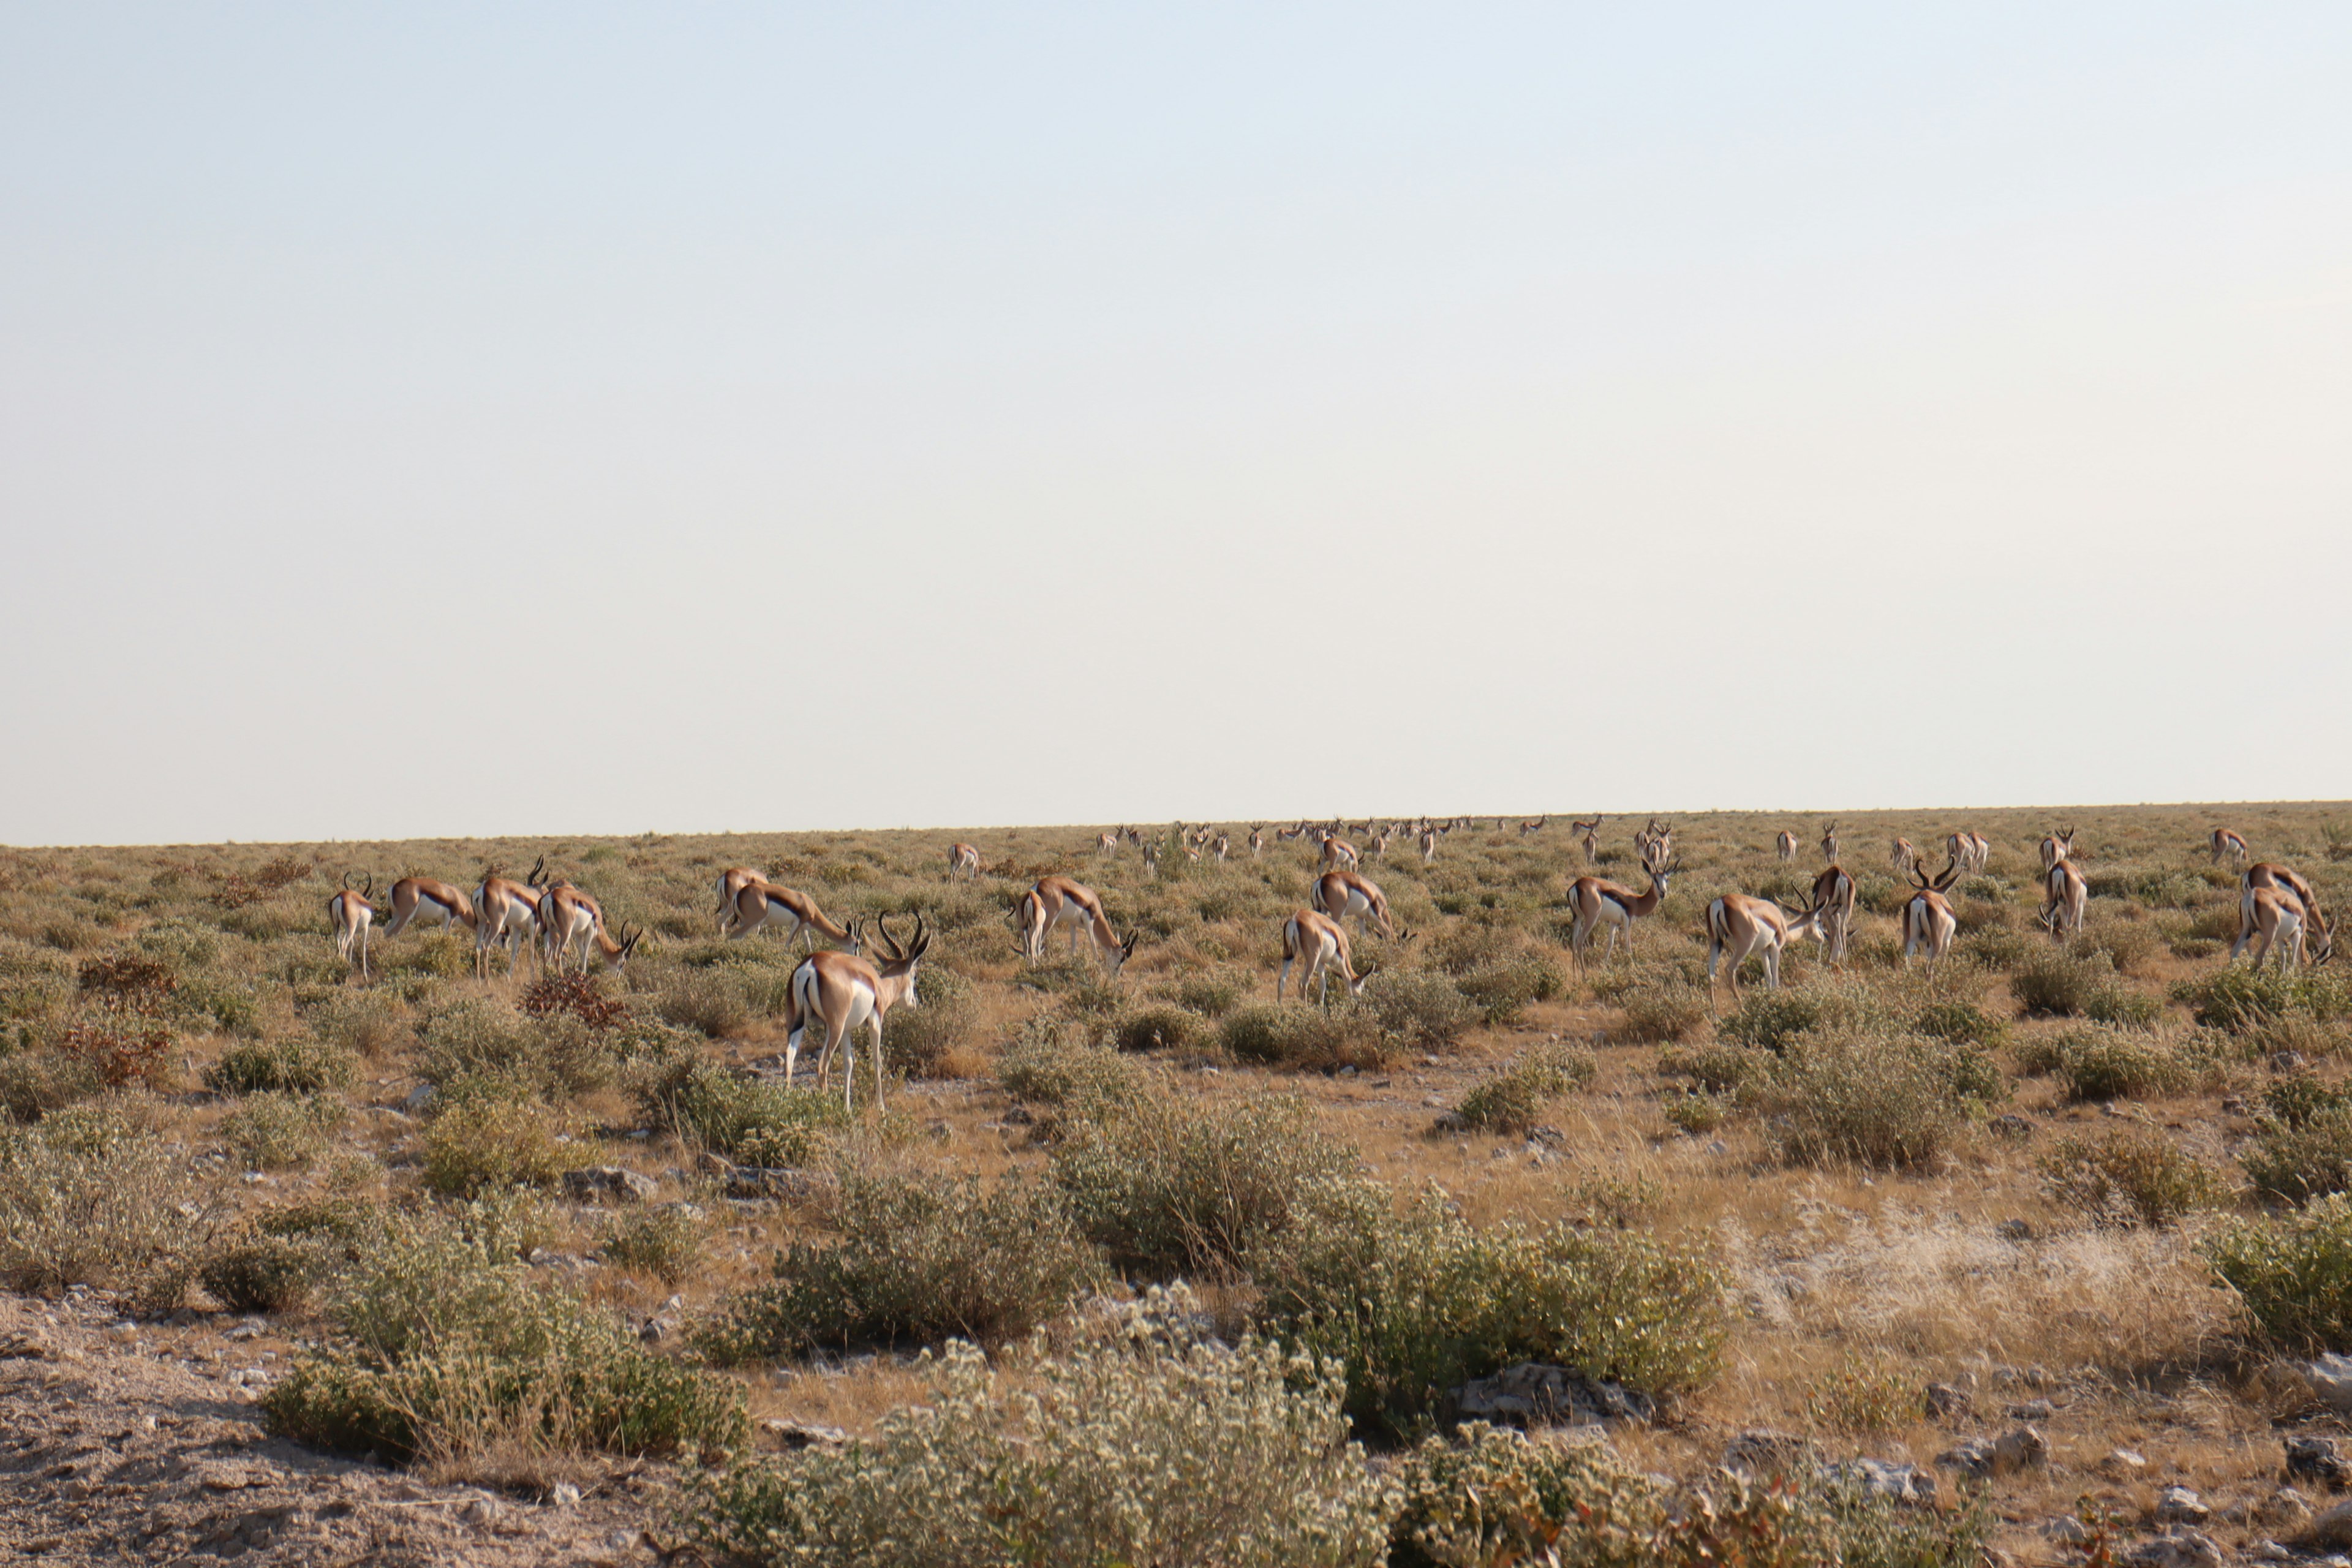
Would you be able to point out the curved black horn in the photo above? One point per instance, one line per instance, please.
(922, 941)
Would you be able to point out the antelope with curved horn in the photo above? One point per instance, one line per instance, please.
(1834, 895)
(1587, 834)
(732, 883)
(841, 991)
(1322, 943)
(1529, 829)
(2225, 842)
(2272, 918)
(1057, 902)
(1744, 928)
(352, 912)
(1927, 919)
(2065, 894)
(763, 903)
(1902, 855)
(1257, 842)
(1428, 844)
(1340, 894)
(1224, 846)
(963, 857)
(1785, 845)
(1598, 901)
(1830, 842)
(2056, 846)
(2287, 880)
(1336, 852)
(1106, 844)
(506, 914)
(568, 918)
(416, 898)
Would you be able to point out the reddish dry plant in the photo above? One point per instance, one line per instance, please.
(125, 981)
(121, 1057)
(576, 994)
(237, 889)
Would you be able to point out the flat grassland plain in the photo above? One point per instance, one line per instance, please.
(2082, 1187)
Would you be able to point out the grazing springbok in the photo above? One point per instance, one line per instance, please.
(506, 914)
(1902, 855)
(841, 991)
(1927, 919)
(2065, 892)
(1598, 901)
(1058, 901)
(2273, 918)
(1338, 851)
(763, 903)
(1343, 893)
(2287, 880)
(2056, 846)
(963, 857)
(1106, 844)
(1833, 898)
(1587, 834)
(732, 883)
(1785, 845)
(1829, 843)
(568, 918)
(1742, 928)
(2225, 842)
(421, 897)
(1322, 943)
(352, 912)
(1968, 851)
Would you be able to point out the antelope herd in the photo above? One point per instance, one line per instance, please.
(842, 990)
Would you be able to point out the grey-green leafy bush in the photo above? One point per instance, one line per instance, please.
(472, 1037)
(1066, 1078)
(665, 1242)
(1502, 989)
(1659, 1011)
(296, 1064)
(2239, 998)
(1421, 1009)
(2096, 1063)
(2131, 1175)
(2293, 1271)
(1771, 1020)
(922, 1039)
(1413, 1300)
(1147, 1443)
(1162, 1027)
(1512, 1099)
(1491, 1498)
(749, 1121)
(89, 1198)
(446, 1347)
(1303, 1036)
(2057, 982)
(1888, 1100)
(921, 1257)
(272, 1130)
(2302, 1147)
(488, 1140)
(283, 1258)
(1167, 1188)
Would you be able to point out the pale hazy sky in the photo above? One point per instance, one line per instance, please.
(449, 419)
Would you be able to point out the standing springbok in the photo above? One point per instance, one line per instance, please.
(2273, 918)
(1106, 844)
(2056, 845)
(1834, 895)
(1057, 900)
(1322, 943)
(1927, 919)
(1588, 836)
(1428, 844)
(506, 914)
(2225, 842)
(763, 903)
(416, 898)
(352, 912)
(1829, 843)
(1338, 851)
(1598, 901)
(1257, 842)
(964, 857)
(1343, 893)
(2065, 894)
(2287, 880)
(1968, 851)
(842, 990)
(1743, 928)
(1785, 845)
(568, 918)
(732, 883)
(1902, 855)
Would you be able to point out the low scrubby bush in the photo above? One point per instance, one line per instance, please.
(1147, 1443)
(2130, 1175)
(665, 1242)
(1168, 1188)
(749, 1121)
(2241, 997)
(920, 1257)
(926, 1040)
(1889, 1100)
(1502, 989)
(2302, 1147)
(486, 1141)
(447, 1350)
(1064, 1078)
(2294, 1272)
(89, 1198)
(364, 1023)
(1773, 1019)
(1510, 1101)
(2058, 984)
(1302, 1035)
(1162, 1027)
(1420, 1008)
(1661, 1011)
(35, 1082)
(554, 1053)
(272, 1130)
(296, 1064)
(2095, 1063)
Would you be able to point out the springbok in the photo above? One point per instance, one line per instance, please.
(2225, 842)
(1322, 943)
(732, 883)
(2065, 894)
(1057, 900)
(1340, 894)
(1428, 844)
(1106, 844)
(2273, 918)
(1829, 843)
(2056, 846)
(1834, 895)
(569, 918)
(1743, 928)
(1338, 851)
(352, 912)
(1598, 901)
(1257, 842)
(2287, 880)
(1927, 919)
(414, 897)
(841, 991)
(761, 904)
(1529, 829)
(506, 914)
(1969, 852)
(964, 857)
(1785, 845)
(1587, 834)
(1902, 855)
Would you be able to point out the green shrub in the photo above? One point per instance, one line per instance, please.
(2302, 1150)
(2293, 1273)
(89, 1198)
(2241, 997)
(920, 1040)
(746, 1120)
(1503, 989)
(1421, 1009)
(558, 1053)
(1492, 1497)
(1697, 1112)
(1146, 1443)
(921, 1257)
(1162, 1027)
(1068, 1079)
(717, 1001)
(2130, 1175)
(1720, 1069)
(2056, 984)
(363, 1023)
(1212, 993)
(1167, 1188)
(1510, 1101)
(37, 1082)
(295, 1065)
(448, 1350)
(271, 1130)
(1773, 1019)
(1961, 1023)
(263, 1273)
(1661, 1011)
(2099, 1063)
(665, 1242)
(1889, 1100)
(486, 1142)
(1412, 1301)
(1299, 1035)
